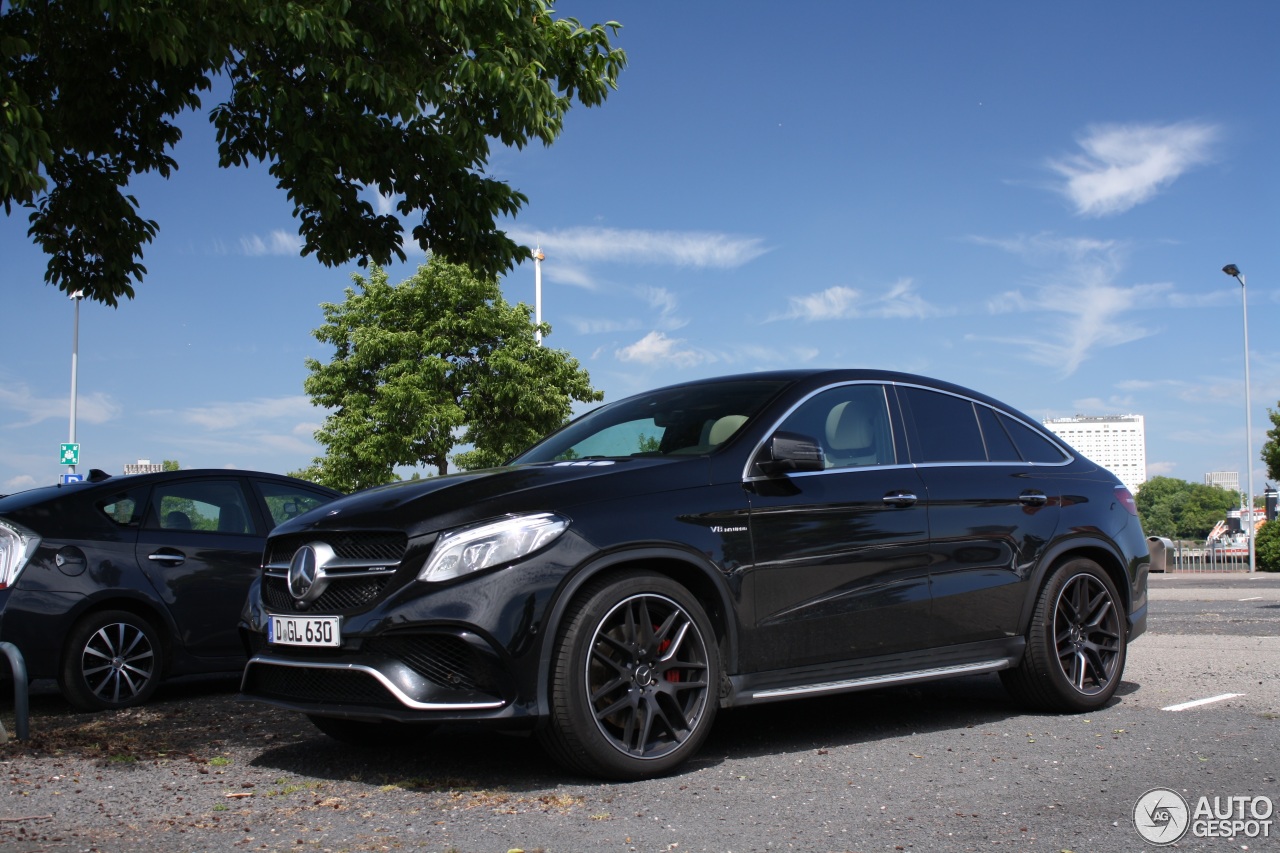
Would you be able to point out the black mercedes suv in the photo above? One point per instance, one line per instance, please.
(718, 543)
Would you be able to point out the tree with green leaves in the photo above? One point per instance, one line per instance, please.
(1177, 509)
(436, 362)
(1267, 547)
(1271, 448)
(341, 99)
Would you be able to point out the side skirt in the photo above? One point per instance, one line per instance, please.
(867, 674)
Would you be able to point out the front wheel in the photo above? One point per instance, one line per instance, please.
(112, 660)
(634, 679)
(1077, 642)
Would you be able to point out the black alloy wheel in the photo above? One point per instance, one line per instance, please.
(1077, 643)
(112, 660)
(633, 689)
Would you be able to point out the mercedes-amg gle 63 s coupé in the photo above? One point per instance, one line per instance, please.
(713, 544)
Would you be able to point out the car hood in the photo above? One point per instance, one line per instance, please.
(436, 503)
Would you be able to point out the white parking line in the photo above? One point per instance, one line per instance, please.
(1255, 598)
(1198, 702)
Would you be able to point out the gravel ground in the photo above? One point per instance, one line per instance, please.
(947, 766)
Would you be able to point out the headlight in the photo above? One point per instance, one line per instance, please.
(492, 543)
(17, 544)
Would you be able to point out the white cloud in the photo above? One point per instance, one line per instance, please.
(276, 243)
(596, 326)
(1047, 248)
(18, 483)
(93, 408)
(900, 301)
(657, 348)
(669, 248)
(233, 415)
(1125, 165)
(1087, 311)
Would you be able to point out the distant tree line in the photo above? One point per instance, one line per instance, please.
(1177, 509)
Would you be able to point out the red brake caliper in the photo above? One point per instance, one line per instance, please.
(672, 675)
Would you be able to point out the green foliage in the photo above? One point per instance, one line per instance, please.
(419, 368)
(1177, 509)
(1271, 449)
(337, 97)
(170, 465)
(1267, 547)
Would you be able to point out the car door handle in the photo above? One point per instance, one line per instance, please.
(172, 558)
(1033, 498)
(899, 499)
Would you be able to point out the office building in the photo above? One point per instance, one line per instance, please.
(1229, 480)
(1116, 442)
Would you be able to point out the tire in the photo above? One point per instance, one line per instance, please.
(372, 735)
(634, 679)
(1076, 645)
(113, 659)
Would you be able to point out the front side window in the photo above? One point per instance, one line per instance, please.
(682, 421)
(850, 422)
(214, 506)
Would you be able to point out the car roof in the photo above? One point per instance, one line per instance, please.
(40, 494)
(823, 376)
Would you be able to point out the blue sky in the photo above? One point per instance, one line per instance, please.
(1033, 200)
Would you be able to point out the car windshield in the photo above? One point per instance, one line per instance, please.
(684, 420)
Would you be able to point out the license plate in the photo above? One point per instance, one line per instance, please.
(309, 631)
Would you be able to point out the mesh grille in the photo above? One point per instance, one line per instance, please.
(448, 661)
(374, 546)
(340, 595)
(328, 686)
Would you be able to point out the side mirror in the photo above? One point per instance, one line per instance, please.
(790, 453)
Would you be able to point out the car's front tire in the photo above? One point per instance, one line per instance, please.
(113, 659)
(1077, 642)
(634, 678)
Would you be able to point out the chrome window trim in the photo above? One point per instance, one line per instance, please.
(1068, 453)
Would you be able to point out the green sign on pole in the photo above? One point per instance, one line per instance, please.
(70, 454)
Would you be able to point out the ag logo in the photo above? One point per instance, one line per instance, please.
(1161, 816)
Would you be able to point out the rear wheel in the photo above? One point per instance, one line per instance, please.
(634, 676)
(113, 659)
(1077, 642)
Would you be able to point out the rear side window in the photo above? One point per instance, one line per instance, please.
(213, 506)
(1034, 446)
(124, 508)
(1000, 447)
(946, 427)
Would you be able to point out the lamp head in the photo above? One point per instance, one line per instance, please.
(1232, 270)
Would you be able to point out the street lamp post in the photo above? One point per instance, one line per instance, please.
(75, 358)
(1234, 271)
(538, 258)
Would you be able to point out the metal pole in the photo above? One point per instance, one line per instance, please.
(1246, 516)
(537, 293)
(1248, 426)
(75, 358)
